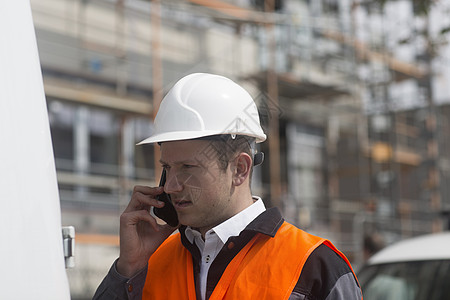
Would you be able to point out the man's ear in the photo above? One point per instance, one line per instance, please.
(242, 167)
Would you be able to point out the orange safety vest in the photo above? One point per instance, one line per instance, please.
(266, 268)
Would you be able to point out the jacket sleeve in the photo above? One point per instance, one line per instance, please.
(117, 287)
(326, 276)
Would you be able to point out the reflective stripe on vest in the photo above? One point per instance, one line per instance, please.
(266, 268)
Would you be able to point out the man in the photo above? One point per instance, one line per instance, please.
(228, 245)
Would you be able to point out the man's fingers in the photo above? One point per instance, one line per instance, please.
(143, 198)
(152, 191)
(138, 218)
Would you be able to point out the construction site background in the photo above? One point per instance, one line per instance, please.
(354, 96)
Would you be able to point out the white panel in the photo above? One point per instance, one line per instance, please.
(31, 260)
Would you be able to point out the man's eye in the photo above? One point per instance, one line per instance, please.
(188, 166)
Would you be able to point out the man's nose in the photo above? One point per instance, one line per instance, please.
(173, 184)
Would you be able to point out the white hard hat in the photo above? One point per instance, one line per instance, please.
(201, 105)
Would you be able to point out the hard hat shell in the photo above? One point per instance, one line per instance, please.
(201, 105)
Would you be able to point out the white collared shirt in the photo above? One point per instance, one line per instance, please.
(216, 237)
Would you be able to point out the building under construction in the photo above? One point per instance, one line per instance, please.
(354, 100)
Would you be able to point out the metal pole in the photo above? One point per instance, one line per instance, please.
(157, 83)
(272, 90)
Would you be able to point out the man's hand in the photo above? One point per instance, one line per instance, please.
(140, 234)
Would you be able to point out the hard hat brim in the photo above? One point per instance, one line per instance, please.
(183, 135)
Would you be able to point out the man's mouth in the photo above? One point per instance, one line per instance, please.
(182, 203)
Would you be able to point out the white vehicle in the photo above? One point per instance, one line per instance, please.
(413, 269)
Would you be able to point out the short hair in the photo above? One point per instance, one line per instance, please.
(227, 146)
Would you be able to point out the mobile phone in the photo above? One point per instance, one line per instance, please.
(167, 213)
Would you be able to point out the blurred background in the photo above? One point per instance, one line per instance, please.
(354, 96)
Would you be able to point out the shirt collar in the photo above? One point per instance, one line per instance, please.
(234, 225)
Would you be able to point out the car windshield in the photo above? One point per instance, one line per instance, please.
(418, 280)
